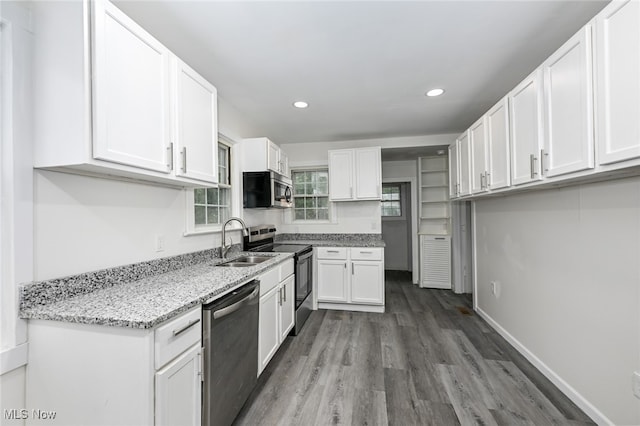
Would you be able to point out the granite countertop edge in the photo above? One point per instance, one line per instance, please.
(204, 282)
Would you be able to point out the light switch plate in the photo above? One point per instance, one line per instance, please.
(635, 384)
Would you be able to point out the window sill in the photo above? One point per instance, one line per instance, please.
(211, 230)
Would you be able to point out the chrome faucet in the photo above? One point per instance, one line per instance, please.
(225, 247)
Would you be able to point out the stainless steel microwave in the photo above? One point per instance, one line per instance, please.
(265, 190)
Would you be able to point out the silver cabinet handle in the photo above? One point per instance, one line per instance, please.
(482, 180)
(366, 251)
(170, 155)
(184, 160)
(352, 269)
(333, 251)
(486, 179)
(186, 327)
(543, 156)
(532, 163)
(284, 292)
(280, 296)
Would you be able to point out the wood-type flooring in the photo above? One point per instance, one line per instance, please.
(428, 360)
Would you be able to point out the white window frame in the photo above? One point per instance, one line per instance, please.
(289, 217)
(402, 202)
(190, 226)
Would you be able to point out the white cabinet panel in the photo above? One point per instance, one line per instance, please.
(498, 145)
(332, 281)
(366, 277)
(464, 166)
(269, 327)
(287, 307)
(478, 142)
(131, 84)
(262, 154)
(618, 82)
(178, 391)
(525, 103)
(454, 170)
(568, 84)
(368, 173)
(196, 125)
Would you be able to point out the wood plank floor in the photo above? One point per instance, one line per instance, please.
(429, 360)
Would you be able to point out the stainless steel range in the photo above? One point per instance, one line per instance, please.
(261, 239)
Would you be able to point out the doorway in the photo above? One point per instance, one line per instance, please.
(396, 226)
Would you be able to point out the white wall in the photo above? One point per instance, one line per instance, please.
(568, 265)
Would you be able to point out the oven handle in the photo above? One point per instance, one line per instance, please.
(239, 304)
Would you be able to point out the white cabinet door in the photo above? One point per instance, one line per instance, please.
(618, 81)
(196, 125)
(435, 253)
(341, 175)
(464, 154)
(498, 145)
(178, 391)
(454, 177)
(284, 164)
(268, 327)
(368, 180)
(287, 307)
(478, 142)
(131, 83)
(332, 281)
(525, 103)
(367, 282)
(273, 157)
(568, 87)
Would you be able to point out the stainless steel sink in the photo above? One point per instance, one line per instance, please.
(245, 261)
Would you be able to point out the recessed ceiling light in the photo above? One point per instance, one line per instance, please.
(300, 104)
(434, 92)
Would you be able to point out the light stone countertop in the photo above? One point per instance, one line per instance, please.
(147, 302)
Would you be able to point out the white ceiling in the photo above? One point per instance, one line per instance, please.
(363, 66)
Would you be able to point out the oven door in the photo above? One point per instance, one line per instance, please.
(304, 277)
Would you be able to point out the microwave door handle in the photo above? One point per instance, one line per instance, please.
(287, 194)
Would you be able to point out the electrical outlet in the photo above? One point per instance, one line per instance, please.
(635, 384)
(159, 243)
(495, 289)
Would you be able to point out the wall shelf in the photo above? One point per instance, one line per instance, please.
(434, 195)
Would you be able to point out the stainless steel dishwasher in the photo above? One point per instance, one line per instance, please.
(230, 339)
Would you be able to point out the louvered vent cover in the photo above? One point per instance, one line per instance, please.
(436, 261)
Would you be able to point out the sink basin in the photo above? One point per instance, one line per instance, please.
(245, 261)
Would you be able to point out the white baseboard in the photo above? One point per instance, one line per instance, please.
(591, 411)
(13, 358)
(351, 307)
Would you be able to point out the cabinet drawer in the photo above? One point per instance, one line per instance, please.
(177, 336)
(286, 269)
(269, 280)
(366, 253)
(332, 253)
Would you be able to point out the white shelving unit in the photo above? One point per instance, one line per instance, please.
(434, 196)
(435, 222)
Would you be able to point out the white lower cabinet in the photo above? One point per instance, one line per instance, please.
(277, 310)
(435, 255)
(116, 375)
(178, 387)
(350, 278)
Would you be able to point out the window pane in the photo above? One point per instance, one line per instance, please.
(310, 202)
(198, 196)
(224, 214)
(224, 194)
(212, 215)
(323, 214)
(298, 177)
(309, 190)
(298, 202)
(299, 213)
(298, 189)
(311, 214)
(200, 214)
(323, 201)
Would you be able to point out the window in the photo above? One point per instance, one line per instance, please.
(310, 195)
(391, 202)
(212, 206)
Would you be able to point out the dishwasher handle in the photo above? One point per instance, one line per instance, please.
(239, 304)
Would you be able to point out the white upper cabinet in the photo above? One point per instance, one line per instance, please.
(568, 107)
(464, 165)
(112, 101)
(131, 83)
(525, 103)
(454, 177)
(196, 125)
(478, 146)
(355, 174)
(498, 146)
(617, 39)
(262, 154)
